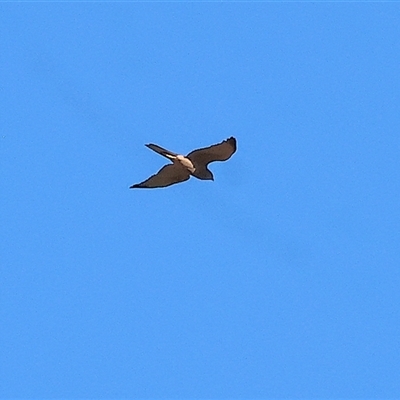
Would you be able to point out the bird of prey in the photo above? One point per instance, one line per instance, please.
(195, 164)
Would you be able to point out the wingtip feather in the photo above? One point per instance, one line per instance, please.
(232, 141)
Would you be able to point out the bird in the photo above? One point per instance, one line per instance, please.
(182, 167)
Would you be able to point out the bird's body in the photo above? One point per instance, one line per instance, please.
(182, 167)
(184, 162)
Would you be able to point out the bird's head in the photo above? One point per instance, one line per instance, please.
(208, 175)
(204, 174)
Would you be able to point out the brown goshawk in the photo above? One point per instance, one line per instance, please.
(195, 164)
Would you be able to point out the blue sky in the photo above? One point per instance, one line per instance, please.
(280, 279)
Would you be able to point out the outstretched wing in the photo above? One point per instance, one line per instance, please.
(166, 176)
(217, 152)
(160, 150)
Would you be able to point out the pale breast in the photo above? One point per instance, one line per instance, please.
(185, 162)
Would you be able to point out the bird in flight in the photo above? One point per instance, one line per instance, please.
(195, 164)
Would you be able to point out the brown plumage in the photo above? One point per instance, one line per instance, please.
(195, 164)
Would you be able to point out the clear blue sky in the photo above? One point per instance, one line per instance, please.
(280, 279)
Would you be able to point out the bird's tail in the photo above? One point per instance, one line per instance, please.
(164, 152)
